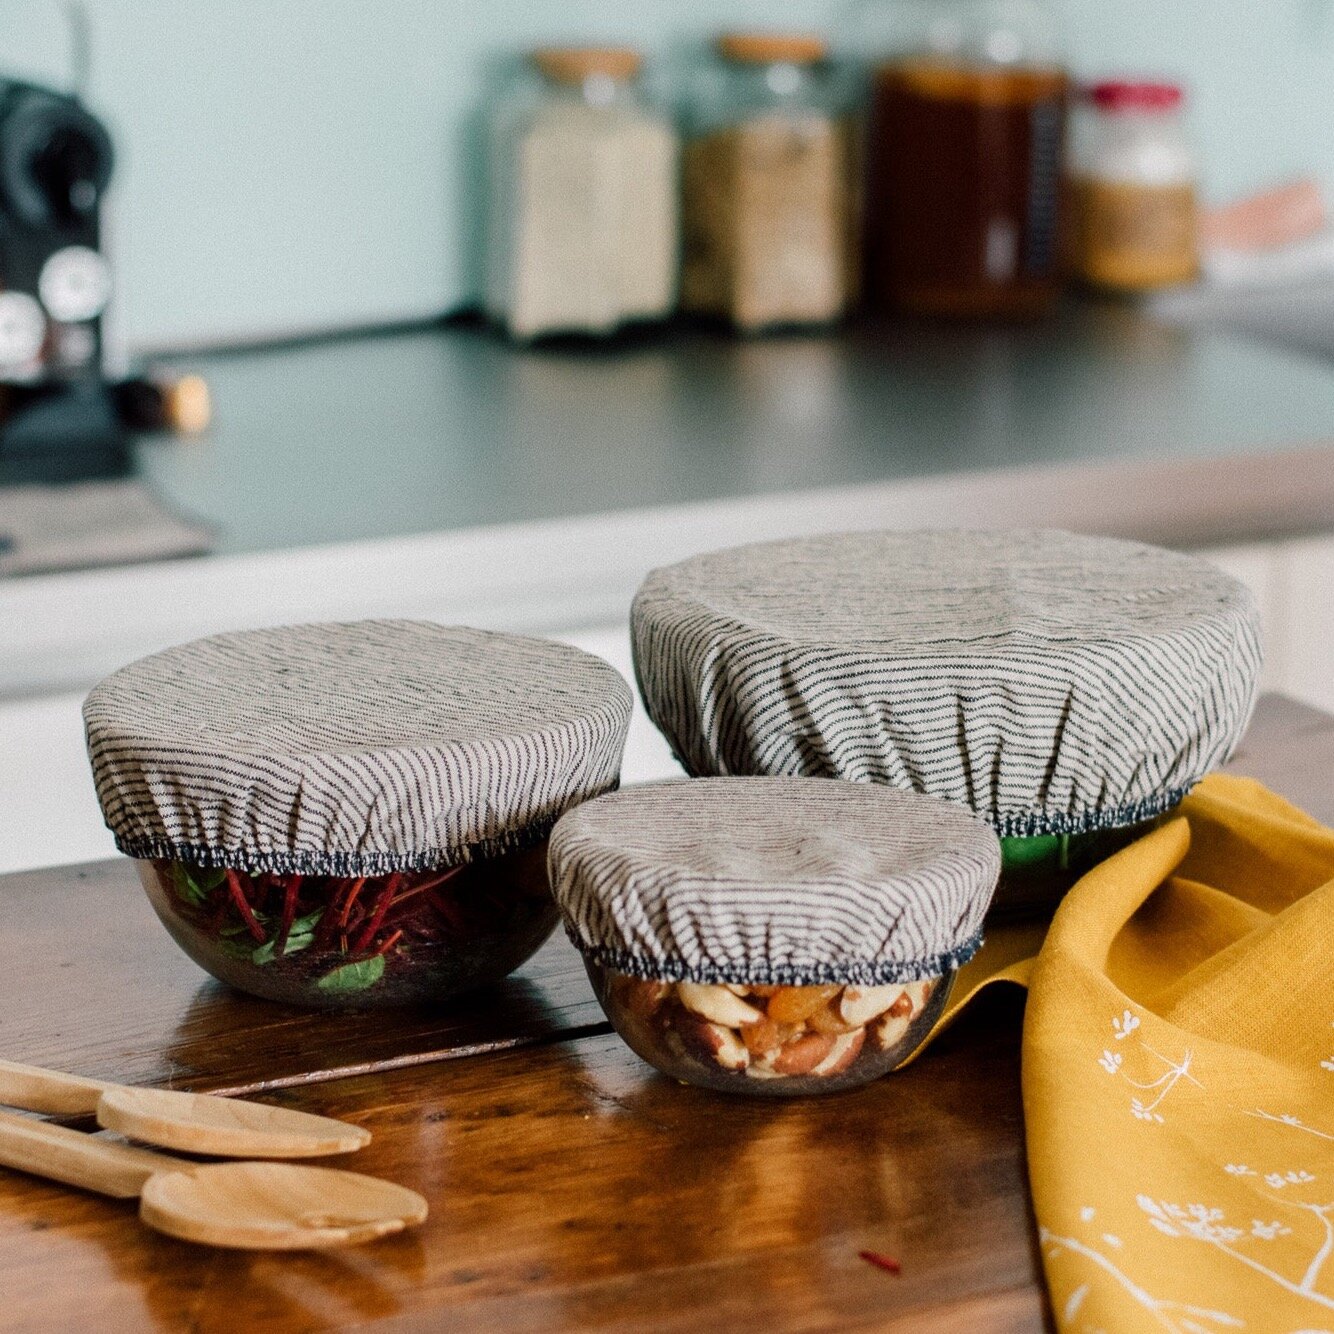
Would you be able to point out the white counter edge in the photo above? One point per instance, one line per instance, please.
(64, 631)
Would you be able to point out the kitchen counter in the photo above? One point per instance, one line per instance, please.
(443, 473)
(439, 430)
(570, 1185)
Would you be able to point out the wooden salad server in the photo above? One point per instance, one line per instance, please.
(187, 1122)
(250, 1206)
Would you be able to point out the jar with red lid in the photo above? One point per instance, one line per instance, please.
(1133, 188)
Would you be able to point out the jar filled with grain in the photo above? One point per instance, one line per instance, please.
(582, 227)
(767, 211)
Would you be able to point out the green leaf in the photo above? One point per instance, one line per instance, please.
(353, 976)
(301, 936)
(303, 926)
(266, 953)
(195, 884)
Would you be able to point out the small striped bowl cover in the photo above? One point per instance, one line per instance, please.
(1051, 683)
(788, 881)
(352, 749)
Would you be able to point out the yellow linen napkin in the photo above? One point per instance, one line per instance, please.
(1178, 1075)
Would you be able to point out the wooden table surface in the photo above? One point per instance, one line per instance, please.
(570, 1185)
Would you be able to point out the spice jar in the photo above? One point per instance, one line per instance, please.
(963, 154)
(1068, 690)
(582, 233)
(772, 935)
(767, 187)
(1133, 189)
(354, 814)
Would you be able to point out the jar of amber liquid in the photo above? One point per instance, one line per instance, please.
(965, 127)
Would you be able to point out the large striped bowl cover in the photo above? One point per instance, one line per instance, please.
(794, 881)
(1052, 683)
(352, 749)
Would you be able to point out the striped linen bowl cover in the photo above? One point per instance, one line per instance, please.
(352, 749)
(1050, 682)
(787, 881)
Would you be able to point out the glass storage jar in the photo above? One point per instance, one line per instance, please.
(583, 219)
(963, 150)
(1068, 690)
(353, 814)
(773, 936)
(1133, 189)
(767, 210)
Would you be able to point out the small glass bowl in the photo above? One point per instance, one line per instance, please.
(770, 1041)
(354, 942)
(1037, 872)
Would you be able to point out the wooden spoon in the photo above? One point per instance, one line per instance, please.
(251, 1206)
(188, 1122)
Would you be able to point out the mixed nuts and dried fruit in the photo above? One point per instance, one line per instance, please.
(803, 1038)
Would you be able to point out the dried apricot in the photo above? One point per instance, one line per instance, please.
(793, 1005)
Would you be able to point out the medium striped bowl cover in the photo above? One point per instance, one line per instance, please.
(788, 881)
(352, 749)
(1052, 683)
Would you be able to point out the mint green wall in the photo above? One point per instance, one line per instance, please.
(292, 164)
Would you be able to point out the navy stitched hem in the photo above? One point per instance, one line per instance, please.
(857, 973)
(1034, 824)
(336, 863)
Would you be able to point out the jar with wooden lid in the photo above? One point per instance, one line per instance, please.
(1133, 189)
(963, 151)
(582, 226)
(767, 208)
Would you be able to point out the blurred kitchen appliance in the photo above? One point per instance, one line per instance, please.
(58, 415)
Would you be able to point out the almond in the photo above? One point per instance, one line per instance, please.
(792, 1005)
(859, 1005)
(713, 1042)
(920, 993)
(717, 1003)
(902, 1008)
(890, 1030)
(846, 1050)
(802, 1055)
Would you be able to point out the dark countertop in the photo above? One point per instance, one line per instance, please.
(450, 427)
